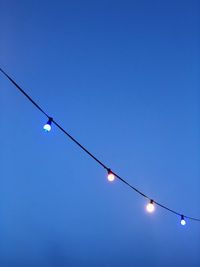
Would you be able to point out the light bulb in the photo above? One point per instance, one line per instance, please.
(183, 222)
(150, 206)
(47, 126)
(111, 176)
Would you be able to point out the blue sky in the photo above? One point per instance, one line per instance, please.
(123, 78)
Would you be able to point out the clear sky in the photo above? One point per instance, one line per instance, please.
(123, 78)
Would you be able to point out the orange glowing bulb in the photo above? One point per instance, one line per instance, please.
(150, 207)
(111, 176)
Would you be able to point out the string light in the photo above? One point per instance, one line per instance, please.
(150, 206)
(183, 222)
(111, 176)
(47, 126)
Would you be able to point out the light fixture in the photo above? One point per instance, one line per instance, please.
(47, 126)
(183, 222)
(110, 176)
(150, 206)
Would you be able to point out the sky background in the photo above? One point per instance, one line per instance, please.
(123, 78)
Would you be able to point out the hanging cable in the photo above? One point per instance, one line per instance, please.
(150, 207)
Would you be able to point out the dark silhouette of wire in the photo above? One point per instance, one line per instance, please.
(90, 154)
(24, 93)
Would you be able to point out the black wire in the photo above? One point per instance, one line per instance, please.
(81, 146)
(24, 93)
(90, 154)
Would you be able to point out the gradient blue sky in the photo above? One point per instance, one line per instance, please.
(123, 78)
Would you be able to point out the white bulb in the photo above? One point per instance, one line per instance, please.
(183, 222)
(111, 177)
(150, 207)
(47, 127)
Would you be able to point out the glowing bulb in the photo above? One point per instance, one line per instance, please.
(150, 206)
(47, 126)
(183, 222)
(111, 176)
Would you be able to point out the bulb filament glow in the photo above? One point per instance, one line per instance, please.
(111, 176)
(150, 206)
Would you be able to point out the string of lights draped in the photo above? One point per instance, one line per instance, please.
(111, 175)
